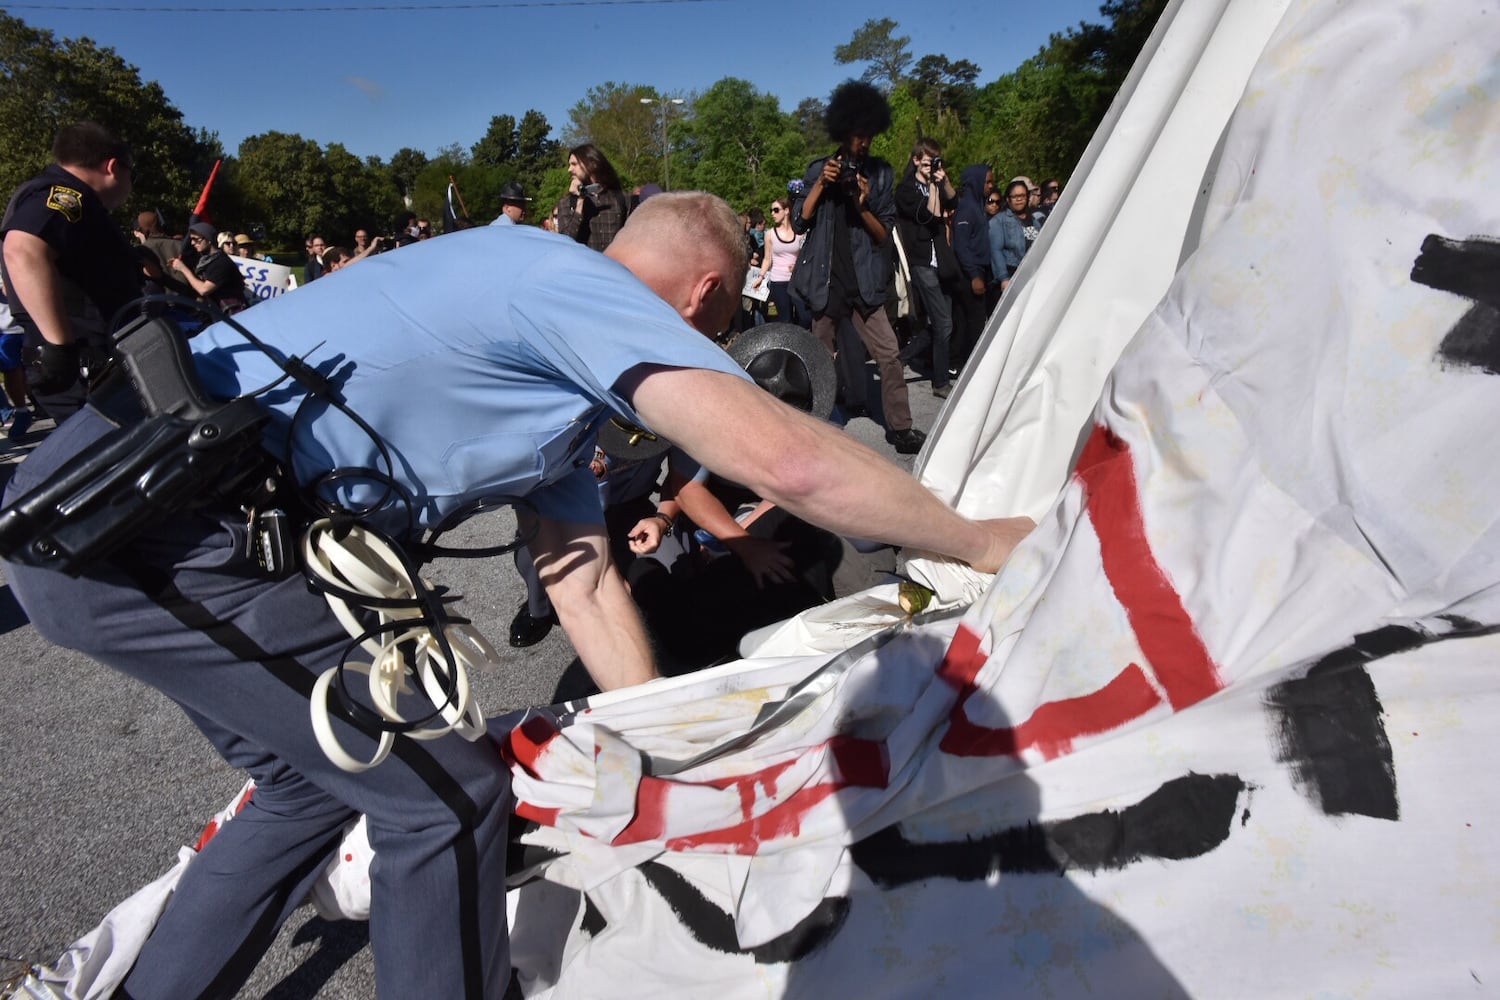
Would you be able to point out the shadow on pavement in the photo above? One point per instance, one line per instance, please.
(11, 615)
(340, 941)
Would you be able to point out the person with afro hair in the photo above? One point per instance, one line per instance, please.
(847, 208)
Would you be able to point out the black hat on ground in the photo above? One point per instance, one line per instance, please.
(789, 363)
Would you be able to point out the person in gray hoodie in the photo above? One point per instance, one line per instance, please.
(971, 244)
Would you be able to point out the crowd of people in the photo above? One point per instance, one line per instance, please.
(524, 348)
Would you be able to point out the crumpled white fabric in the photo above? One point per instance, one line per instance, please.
(1280, 474)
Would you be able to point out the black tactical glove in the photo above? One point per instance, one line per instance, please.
(53, 368)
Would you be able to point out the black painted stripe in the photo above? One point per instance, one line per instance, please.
(1185, 818)
(713, 928)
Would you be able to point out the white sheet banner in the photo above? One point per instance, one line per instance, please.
(263, 279)
(1219, 728)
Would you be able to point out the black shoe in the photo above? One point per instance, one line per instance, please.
(528, 631)
(941, 391)
(907, 442)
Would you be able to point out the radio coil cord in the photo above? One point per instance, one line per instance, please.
(367, 575)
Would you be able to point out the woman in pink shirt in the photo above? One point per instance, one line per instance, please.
(782, 247)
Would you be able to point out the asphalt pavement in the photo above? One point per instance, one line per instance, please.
(104, 778)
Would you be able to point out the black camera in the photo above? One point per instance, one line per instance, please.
(937, 164)
(848, 181)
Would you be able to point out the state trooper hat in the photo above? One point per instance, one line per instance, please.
(789, 363)
(513, 191)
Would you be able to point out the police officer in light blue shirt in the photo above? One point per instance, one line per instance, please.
(512, 204)
(477, 386)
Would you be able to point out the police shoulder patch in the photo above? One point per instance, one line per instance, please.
(67, 201)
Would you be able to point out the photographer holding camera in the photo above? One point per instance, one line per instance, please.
(847, 211)
(923, 199)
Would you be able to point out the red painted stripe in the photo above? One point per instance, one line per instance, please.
(1174, 651)
(523, 745)
(962, 662)
(857, 763)
(782, 820)
(1054, 726)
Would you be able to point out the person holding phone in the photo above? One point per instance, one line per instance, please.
(595, 206)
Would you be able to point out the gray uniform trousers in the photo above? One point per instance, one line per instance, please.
(180, 610)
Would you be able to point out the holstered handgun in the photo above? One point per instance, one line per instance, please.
(187, 451)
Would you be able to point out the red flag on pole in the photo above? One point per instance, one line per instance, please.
(200, 211)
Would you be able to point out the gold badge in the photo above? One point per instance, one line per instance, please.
(67, 201)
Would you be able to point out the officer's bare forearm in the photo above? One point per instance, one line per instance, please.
(811, 468)
(35, 284)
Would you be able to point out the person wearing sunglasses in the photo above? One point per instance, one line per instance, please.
(215, 277)
(57, 231)
(783, 244)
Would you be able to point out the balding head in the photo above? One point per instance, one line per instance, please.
(689, 247)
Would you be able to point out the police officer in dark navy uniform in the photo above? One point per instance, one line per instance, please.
(67, 264)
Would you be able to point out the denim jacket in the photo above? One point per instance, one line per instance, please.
(872, 261)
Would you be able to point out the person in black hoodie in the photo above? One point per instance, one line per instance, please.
(971, 244)
(923, 199)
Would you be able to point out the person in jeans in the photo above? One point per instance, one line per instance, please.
(923, 199)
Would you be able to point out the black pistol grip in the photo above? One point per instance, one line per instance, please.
(156, 356)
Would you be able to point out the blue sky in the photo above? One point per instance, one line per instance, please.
(376, 80)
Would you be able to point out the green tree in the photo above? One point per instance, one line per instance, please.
(875, 42)
(808, 118)
(943, 88)
(405, 166)
(287, 183)
(499, 146)
(520, 152)
(743, 148)
(1039, 119)
(366, 196)
(478, 186)
(46, 84)
(535, 152)
(612, 117)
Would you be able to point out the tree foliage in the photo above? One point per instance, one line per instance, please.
(808, 117)
(405, 166)
(521, 152)
(730, 139)
(743, 147)
(613, 117)
(1039, 119)
(875, 42)
(288, 186)
(944, 89)
(498, 147)
(536, 153)
(46, 84)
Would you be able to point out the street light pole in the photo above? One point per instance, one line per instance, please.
(666, 151)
